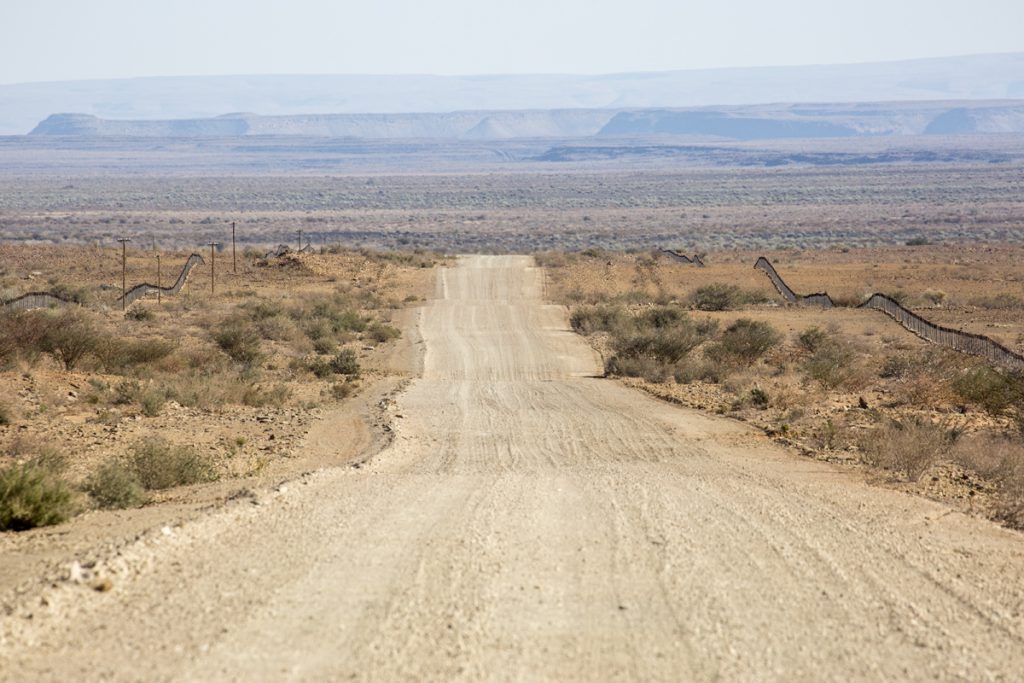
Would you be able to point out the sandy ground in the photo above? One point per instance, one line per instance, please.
(531, 522)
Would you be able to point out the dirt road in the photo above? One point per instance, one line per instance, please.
(530, 522)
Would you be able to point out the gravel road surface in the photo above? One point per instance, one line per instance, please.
(531, 522)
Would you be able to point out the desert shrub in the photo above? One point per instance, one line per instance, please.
(897, 367)
(345, 362)
(6, 415)
(337, 314)
(992, 390)
(152, 402)
(830, 361)
(342, 390)
(258, 397)
(321, 367)
(649, 369)
(263, 310)
(69, 338)
(812, 339)
(325, 345)
(80, 295)
(317, 329)
(159, 464)
(1002, 301)
(661, 317)
(744, 342)
(380, 332)
(240, 342)
(196, 388)
(139, 314)
(22, 334)
(719, 296)
(276, 328)
(999, 460)
(759, 398)
(700, 369)
(919, 241)
(126, 393)
(934, 296)
(115, 485)
(117, 355)
(33, 494)
(593, 319)
(668, 346)
(908, 448)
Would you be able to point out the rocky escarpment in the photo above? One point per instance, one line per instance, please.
(452, 125)
(762, 122)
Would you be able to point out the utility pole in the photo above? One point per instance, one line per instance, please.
(234, 260)
(159, 285)
(124, 271)
(213, 264)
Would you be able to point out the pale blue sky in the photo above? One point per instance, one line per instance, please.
(44, 40)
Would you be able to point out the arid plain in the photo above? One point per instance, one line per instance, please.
(592, 452)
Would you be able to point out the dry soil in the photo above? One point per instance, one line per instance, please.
(533, 522)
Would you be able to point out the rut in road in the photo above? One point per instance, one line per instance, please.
(532, 522)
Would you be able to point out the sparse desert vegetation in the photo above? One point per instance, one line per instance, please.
(847, 385)
(193, 389)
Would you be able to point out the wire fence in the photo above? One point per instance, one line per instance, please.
(141, 290)
(683, 258)
(48, 300)
(958, 340)
(36, 300)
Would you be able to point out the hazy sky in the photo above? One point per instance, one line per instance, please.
(73, 39)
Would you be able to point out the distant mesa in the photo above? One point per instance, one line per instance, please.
(698, 124)
(973, 78)
(721, 125)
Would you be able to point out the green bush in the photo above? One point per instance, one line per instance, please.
(649, 369)
(159, 464)
(744, 342)
(115, 485)
(240, 342)
(381, 333)
(661, 317)
(321, 367)
(813, 338)
(345, 362)
(991, 389)
(830, 360)
(759, 398)
(667, 345)
(263, 310)
(719, 296)
(33, 494)
(152, 402)
(69, 338)
(591, 319)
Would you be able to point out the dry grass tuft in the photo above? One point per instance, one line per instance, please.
(908, 448)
